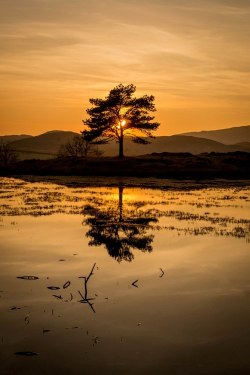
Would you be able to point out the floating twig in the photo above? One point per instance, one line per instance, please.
(46, 331)
(15, 308)
(91, 272)
(66, 285)
(96, 340)
(28, 277)
(89, 303)
(134, 283)
(53, 287)
(80, 294)
(162, 272)
(57, 296)
(85, 298)
(91, 306)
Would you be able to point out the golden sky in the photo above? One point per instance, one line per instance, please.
(192, 55)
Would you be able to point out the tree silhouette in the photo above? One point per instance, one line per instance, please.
(117, 233)
(78, 147)
(7, 155)
(120, 114)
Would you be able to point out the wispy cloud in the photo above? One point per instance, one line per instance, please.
(189, 54)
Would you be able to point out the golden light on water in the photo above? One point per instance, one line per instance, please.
(170, 277)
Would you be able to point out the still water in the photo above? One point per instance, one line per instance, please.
(118, 280)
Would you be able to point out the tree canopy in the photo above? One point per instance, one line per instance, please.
(120, 114)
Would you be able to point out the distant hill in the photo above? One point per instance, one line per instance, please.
(227, 136)
(46, 146)
(12, 138)
(245, 146)
(174, 143)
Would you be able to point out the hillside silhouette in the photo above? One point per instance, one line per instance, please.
(47, 145)
(43, 146)
(227, 136)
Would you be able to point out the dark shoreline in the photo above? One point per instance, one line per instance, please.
(134, 182)
(181, 167)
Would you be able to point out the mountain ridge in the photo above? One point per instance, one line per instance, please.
(233, 135)
(46, 145)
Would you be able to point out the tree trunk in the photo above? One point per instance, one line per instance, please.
(120, 203)
(121, 147)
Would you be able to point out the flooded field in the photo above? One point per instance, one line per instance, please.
(118, 280)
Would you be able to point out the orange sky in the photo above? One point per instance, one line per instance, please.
(192, 55)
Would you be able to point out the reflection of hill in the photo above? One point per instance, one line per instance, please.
(117, 231)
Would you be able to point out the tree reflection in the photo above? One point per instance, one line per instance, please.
(118, 230)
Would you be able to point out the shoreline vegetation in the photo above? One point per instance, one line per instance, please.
(134, 182)
(179, 166)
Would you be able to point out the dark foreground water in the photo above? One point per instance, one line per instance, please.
(124, 280)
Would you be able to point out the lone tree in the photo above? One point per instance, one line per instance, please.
(120, 114)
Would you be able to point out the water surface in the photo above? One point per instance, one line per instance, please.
(170, 287)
